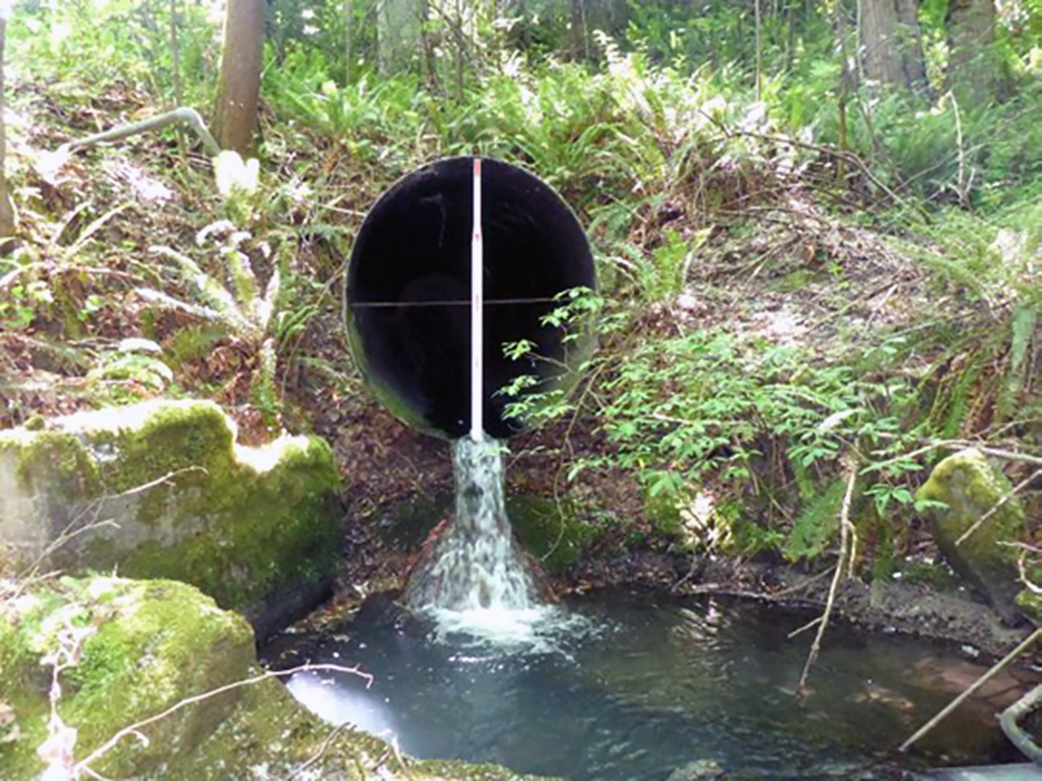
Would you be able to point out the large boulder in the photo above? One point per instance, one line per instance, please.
(161, 490)
(162, 655)
(130, 650)
(970, 487)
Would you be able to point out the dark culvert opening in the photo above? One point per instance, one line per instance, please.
(414, 247)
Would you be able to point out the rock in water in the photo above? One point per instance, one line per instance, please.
(970, 487)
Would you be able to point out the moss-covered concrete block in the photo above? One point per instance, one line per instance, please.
(970, 487)
(161, 490)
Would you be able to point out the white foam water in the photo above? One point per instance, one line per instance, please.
(475, 582)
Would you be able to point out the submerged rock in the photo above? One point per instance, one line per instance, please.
(161, 490)
(971, 487)
(137, 649)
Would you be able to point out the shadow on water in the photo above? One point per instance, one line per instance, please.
(618, 687)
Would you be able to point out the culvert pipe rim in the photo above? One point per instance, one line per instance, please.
(408, 293)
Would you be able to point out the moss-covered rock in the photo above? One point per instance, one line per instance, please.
(133, 649)
(970, 487)
(1030, 605)
(140, 648)
(160, 490)
(269, 736)
(551, 531)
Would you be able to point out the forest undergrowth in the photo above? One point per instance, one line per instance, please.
(775, 296)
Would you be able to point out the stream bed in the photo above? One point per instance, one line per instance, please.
(622, 687)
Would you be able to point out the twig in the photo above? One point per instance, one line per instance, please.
(809, 625)
(845, 533)
(134, 729)
(964, 196)
(321, 750)
(957, 444)
(180, 116)
(998, 505)
(995, 670)
(73, 529)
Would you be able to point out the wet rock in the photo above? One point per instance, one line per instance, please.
(699, 770)
(161, 490)
(971, 487)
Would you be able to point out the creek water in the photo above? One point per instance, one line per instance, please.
(623, 687)
(630, 687)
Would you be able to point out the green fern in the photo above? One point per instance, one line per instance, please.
(1025, 318)
(816, 525)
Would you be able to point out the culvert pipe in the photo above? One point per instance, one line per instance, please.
(408, 292)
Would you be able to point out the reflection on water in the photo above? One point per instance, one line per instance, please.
(634, 690)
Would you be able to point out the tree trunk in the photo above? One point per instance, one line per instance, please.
(891, 44)
(973, 68)
(578, 30)
(398, 32)
(7, 224)
(913, 61)
(235, 119)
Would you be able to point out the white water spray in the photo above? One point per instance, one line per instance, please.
(475, 579)
(475, 563)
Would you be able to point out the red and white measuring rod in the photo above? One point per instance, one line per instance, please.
(477, 319)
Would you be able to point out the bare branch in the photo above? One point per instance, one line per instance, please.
(180, 116)
(995, 670)
(846, 533)
(998, 505)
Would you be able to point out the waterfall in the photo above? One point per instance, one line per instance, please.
(475, 565)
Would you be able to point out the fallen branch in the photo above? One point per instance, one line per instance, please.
(847, 542)
(995, 670)
(956, 444)
(322, 749)
(179, 116)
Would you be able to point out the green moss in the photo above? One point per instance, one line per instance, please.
(53, 458)
(551, 531)
(1030, 605)
(269, 727)
(276, 529)
(154, 644)
(142, 647)
(212, 515)
(663, 512)
(793, 281)
(969, 487)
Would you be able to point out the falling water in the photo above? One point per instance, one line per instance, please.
(475, 565)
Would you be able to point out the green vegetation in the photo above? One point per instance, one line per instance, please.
(127, 650)
(810, 262)
(805, 256)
